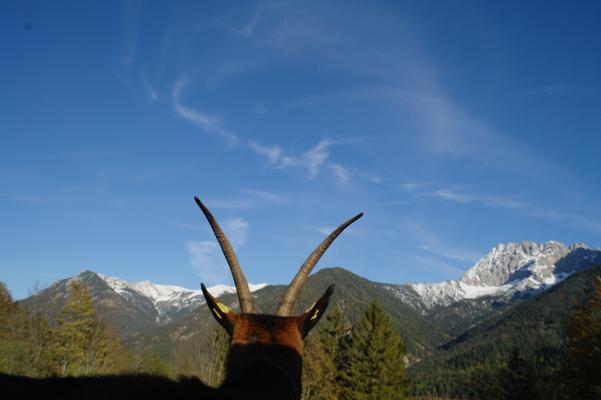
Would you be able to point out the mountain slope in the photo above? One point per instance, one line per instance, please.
(535, 328)
(121, 315)
(126, 307)
(504, 277)
(353, 293)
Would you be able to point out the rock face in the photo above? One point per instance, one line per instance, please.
(509, 270)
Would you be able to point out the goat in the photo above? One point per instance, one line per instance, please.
(264, 360)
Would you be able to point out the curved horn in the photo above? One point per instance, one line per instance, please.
(285, 306)
(244, 296)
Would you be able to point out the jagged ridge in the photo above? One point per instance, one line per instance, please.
(509, 270)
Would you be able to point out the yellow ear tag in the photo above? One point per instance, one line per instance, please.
(309, 309)
(315, 315)
(223, 308)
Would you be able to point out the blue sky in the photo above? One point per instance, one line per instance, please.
(453, 126)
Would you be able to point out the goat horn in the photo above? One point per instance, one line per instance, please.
(289, 298)
(244, 296)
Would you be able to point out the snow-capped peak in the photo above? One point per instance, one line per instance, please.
(509, 269)
(159, 293)
(167, 300)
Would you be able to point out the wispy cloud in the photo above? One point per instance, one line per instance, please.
(272, 153)
(340, 172)
(466, 198)
(447, 194)
(313, 159)
(152, 93)
(206, 258)
(203, 259)
(208, 123)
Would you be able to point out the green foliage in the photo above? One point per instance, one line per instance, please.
(372, 359)
(149, 361)
(581, 371)
(219, 349)
(80, 344)
(535, 328)
(24, 338)
(322, 350)
(354, 353)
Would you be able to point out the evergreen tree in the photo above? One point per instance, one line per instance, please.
(372, 360)
(319, 371)
(219, 349)
(517, 380)
(321, 356)
(581, 371)
(333, 331)
(80, 343)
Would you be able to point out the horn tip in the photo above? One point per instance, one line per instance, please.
(330, 289)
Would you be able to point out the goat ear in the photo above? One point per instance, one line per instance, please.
(223, 315)
(314, 313)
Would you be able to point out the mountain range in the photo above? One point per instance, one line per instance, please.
(428, 313)
(517, 297)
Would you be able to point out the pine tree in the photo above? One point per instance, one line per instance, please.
(321, 353)
(517, 380)
(372, 360)
(319, 371)
(581, 371)
(333, 332)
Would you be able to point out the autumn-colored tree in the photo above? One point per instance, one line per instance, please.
(372, 361)
(581, 371)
